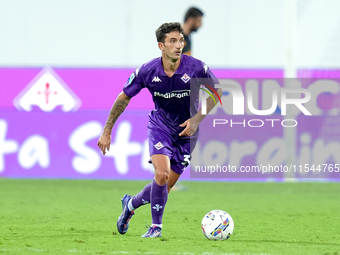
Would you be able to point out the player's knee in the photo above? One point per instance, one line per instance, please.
(161, 176)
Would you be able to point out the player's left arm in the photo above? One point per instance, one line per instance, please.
(191, 125)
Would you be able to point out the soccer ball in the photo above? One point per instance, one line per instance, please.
(217, 225)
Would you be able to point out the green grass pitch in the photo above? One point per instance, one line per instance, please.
(79, 216)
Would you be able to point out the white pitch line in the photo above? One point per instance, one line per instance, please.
(144, 252)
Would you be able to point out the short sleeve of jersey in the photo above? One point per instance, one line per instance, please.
(208, 76)
(134, 84)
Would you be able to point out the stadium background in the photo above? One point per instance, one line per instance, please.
(88, 49)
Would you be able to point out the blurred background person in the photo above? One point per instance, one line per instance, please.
(192, 22)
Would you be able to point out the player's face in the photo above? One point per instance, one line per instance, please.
(173, 45)
(197, 23)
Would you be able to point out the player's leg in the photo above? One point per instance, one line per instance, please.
(173, 177)
(143, 197)
(130, 204)
(159, 193)
(180, 160)
(159, 144)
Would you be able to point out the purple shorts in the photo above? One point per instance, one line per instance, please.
(177, 149)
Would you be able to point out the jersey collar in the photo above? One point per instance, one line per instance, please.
(178, 70)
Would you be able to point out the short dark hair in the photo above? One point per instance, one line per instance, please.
(167, 28)
(193, 12)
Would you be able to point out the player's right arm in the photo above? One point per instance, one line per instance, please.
(131, 88)
(117, 109)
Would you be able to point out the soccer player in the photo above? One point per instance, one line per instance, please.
(192, 22)
(173, 124)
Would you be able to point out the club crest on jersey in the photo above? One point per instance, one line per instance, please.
(185, 78)
(159, 145)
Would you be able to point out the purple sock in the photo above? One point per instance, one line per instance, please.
(159, 197)
(143, 197)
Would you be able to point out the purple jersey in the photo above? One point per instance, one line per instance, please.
(175, 102)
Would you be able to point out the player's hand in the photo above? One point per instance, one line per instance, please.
(104, 142)
(190, 127)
